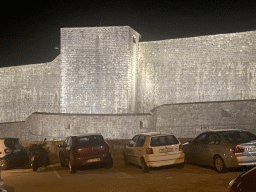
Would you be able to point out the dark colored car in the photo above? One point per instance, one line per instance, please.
(222, 149)
(12, 154)
(80, 150)
(244, 182)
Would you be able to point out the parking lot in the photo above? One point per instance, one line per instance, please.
(120, 178)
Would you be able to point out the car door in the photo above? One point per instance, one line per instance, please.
(138, 149)
(130, 149)
(196, 147)
(68, 148)
(62, 151)
(211, 148)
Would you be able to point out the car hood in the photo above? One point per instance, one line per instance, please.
(248, 174)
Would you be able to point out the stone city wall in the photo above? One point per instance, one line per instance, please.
(56, 126)
(198, 69)
(29, 88)
(98, 70)
(190, 119)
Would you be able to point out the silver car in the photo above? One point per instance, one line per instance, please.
(222, 149)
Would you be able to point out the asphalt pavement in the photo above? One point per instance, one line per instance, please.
(120, 178)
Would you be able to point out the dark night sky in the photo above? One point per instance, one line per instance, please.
(29, 34)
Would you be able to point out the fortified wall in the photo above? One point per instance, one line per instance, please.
(107, 71)
(98, 70)
(187, 120)
(198, 69)
(28, 89)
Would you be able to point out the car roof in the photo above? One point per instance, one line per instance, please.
(225, 130)
(85, 134)
(155, 133)
(9, 138)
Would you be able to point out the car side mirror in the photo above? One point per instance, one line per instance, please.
(129, 144)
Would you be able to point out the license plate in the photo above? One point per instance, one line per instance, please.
(166, 150)
(93, 160)
(252, 149)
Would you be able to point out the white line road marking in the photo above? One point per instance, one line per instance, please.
(18, 171)
(124, 174)
(57, 174)
(57, 164)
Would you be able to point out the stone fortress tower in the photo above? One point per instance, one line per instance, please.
(106, 70)
(98, 70)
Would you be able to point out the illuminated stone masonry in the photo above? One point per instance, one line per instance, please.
(98, 70)
(106, 70)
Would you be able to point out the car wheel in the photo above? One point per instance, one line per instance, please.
(109, 164)
(3, 164)
(219, 165)
(144, 166)
(61, 163)
(126, 160)
(181, 165)
(71, 167)
(34, 166)
(47, 161)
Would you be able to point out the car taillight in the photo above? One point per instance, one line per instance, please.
(107, 148)
(238, 149)
(180, 147)
(7, 150)
(149, 151)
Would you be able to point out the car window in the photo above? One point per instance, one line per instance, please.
(12, 143)
(213, 139)
(238, 136)
(133, 141)
(140, 142)
(69, 143)
(65, 143)
(201, 139)
(163, 140)
(90, 140)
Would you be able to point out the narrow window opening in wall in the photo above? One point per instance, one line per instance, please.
(68, 127)
(134, 39)
(141, 124)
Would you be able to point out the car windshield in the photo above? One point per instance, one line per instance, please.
(163, 140)
(90, 140)
(239, 136)
(12, 143)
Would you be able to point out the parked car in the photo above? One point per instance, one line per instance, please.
(222, 149)
(153, 149)
(244, 182)
(80, 150)
(12, 154)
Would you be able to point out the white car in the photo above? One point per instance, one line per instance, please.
(154, 149)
